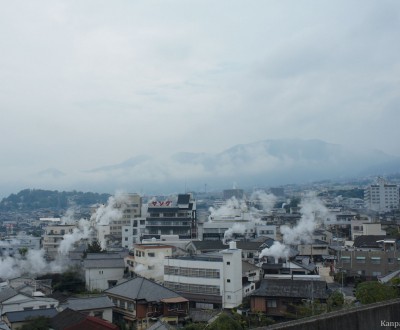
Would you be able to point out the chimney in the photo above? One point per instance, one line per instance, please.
(232, 245)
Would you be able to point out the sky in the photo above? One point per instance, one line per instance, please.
(92, 83)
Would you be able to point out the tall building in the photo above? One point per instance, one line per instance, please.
(169, 218)
(131, 209)
(382, 196)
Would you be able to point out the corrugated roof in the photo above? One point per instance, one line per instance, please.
(140, 288)
(24, 315)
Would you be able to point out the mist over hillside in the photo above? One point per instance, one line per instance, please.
(259, 164)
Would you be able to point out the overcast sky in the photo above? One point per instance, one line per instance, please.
(88, 83)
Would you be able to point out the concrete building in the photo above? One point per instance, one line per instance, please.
(169, 218)
(148, 260)
(363, 228)
(132, 233)
(382, 196)
(53, 237)
(371, 256)
(210, 280)
(131, 209)
(103, 270)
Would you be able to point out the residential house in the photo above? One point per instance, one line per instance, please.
(103, 270)
(138, 300)
(277, 297)
(15, 320)
(98, 306)
(13, 301)
(69, 319)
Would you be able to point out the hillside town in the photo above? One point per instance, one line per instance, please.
(138, 262)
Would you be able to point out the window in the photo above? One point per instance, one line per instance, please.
(228, 280)
(345, 259)
(271, 303)
(228, 262)
(360, 260)
(375, 260)
(151, 254)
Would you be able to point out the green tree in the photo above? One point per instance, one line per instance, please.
(37, 323)
(225, 322)
(370, 292)
(95, 247)
(335, 301)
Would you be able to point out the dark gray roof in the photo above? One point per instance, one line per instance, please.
(21, 316)
(296, 288)
(81, 304)
(368, 241)
(140, 288)
(218, 245)
(66, 318)
(104, 263)
(7, 293)
(103, 256)
(246, 266)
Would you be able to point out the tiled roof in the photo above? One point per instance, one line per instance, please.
(7, 293)
(66, 318)
(140, 288)
(81, 304)
(24, 315)
(296, 288)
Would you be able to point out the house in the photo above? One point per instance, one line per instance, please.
(251, 275)
(277, 297)
(69, 319)
(13, 301)
(103, 270)
(210, 280)
(99, 306)
(139, 299)
(15, 320)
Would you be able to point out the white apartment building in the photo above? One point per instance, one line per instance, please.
(132, 233)
(382, 196)
(53, 237)
(208, 281)
(131, 209)
(148, 260)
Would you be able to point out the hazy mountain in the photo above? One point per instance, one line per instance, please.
(268, 162)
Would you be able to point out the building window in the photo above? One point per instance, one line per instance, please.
(228, 280)
(360, 260)
(271, 303)
(345, 259)
(228, 262)
(151, 254)
(375, 260)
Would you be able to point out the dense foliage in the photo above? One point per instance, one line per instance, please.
(32, 199)
(370, 292)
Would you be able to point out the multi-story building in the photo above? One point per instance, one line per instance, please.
(53, 237)
(131, 209)
(382, 196)
(148, 260)
(132, 233)
(169, 218)
(208, 280)
(371, 256)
